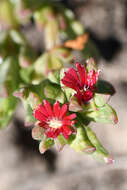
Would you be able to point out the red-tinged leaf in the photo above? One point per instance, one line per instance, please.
(38, 133)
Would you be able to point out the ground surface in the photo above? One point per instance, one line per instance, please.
(23, 168)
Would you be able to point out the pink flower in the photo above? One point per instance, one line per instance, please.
(55, 121)
(82, 82)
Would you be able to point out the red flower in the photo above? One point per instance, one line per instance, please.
(81, 81)
(55, 121)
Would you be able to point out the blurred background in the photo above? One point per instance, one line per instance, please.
(22, 167)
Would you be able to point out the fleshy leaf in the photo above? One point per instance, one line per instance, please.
(30, 98)
(63, 54)
(33, 99)
(74, 105)
(53, 91)
(7, 108)
(101, 154)
(7, 16)
(8, 47)
(105, 87)
(60, 142)
(77, 27)
(51, 33)
(55, 62)
(27, 74)
(54, 76)
(42, 62)
(4, 66)
(17, 37)
(29, 119)
(47, 62)
(91, 50)
(104, 114)
(80, 142)
(26, 57)
(46, 144)
(31, 4)
(93, 138)
(69, 92)
(101, 99)
(38, 133)
(10, 78)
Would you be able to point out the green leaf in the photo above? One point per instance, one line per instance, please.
(30, 99)
(53, 91)
(31, 96)
(69, 92)
(54, 77)
(4, 66)
(101, 99)
(51, 33)
(77, 27)
(101, 157)
(64, 54)
(105, 87)
(33, 100)
(45, 144)
(104, 114)
(62, 140)
(74, 105)
(7, 16)
(29, 119)
(9, 82)
(13, 77)
(101, 154)
(90, 50)
(27, 74)
(55, 62)
(44, 64)
(26, 56)
(80, 142)
(7, 46)
(10, 78)
(7, 108)
(94, 140)
(17, 37)
(38, 133)
(41, 64)
(31, 4)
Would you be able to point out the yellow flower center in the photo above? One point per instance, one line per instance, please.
(55, 123)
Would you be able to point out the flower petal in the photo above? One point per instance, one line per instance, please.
(69, 84)
(39, 116)
(73, 73)
(71, 80)
(44, 125)
(70, 117)
(82, 72)
(63, 111)
(92, 77)
(42, 110)
(48, 107)
(88, 95)
(79, 97)
(52, 133)
(68, 122)
(56, 109)
(66, 131)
